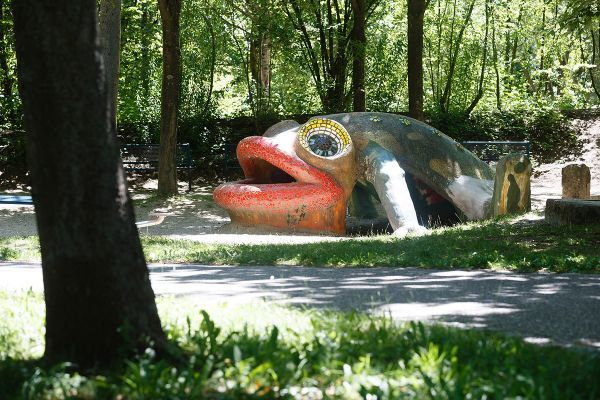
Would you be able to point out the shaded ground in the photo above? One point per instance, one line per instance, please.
(546, 182)
(542, 308)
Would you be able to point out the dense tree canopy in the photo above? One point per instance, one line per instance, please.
(284, 57)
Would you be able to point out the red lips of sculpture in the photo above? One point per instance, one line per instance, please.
(261, 159)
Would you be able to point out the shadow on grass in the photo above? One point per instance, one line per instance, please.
(495, 244)
(544, 308)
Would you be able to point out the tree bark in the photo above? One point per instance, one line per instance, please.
(170, 11)
(110, 38)
(260, 69)
(96, 286)
(359, 45)
(595, 51)
(5, 75)
(145, 31)
(495, 60)
(480, 84)
(326, 58)
(416, 14)
(454, 49)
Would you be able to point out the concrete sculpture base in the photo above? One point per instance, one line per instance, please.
(572, 211)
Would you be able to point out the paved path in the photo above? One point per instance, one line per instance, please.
(555, 308)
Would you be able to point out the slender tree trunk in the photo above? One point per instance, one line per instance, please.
(595, 53)
(213, 63)
(260, 68)
(495, 60)
(6, 80)
(327, 58)
(265, 68)
(170, 11)
(515, 43)
(359, 44)
(98, 295)
(445, 99)
(480, 84)
(145, 54)
(5, 75)
(416, 14)
(110, 38)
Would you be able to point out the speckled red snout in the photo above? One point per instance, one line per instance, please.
(281, 190)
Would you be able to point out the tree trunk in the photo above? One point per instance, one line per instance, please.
(145, 32)
(260, 68)
(5, 76)
(359, 44)
(170, 11)
(454, 49)
(480, 84)
(595, 55)
(213, 63)
(416, 14)
(98, 295)
(110, 38)
(495, 60)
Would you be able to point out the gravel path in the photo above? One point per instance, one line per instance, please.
(541, 307)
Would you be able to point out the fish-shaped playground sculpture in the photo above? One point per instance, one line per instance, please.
(303, 177)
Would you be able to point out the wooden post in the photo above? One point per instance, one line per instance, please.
(576, 181)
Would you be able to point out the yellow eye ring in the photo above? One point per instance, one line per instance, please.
(324, 137)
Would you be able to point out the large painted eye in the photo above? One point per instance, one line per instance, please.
(324, 137)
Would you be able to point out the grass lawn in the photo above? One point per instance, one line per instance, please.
(261, 350)
(508, 244)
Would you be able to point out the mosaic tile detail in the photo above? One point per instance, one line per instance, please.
(324, 137)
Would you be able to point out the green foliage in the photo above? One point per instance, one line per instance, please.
(230, 353)
(536, 51)
(25, 312)
(549, 131)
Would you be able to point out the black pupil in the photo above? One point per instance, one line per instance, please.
(323, 145)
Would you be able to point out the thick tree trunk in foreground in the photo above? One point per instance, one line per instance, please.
(98, 295)
(416, 14)
(110, 37)
(170, 11)
(359, 44)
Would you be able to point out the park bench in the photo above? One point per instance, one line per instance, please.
(144, 157)
(18, 200)
(230, 156)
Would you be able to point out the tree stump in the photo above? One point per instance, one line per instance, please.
(576, 181)
(512, 187)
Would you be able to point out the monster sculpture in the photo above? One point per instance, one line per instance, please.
(303, 177)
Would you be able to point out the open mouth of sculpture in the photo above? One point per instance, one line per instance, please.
(277, 182)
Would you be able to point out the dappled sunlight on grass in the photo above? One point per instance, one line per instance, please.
(260, 350)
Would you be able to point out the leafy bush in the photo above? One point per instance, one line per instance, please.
(548, 130)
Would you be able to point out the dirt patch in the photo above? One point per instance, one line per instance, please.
(546, 182)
